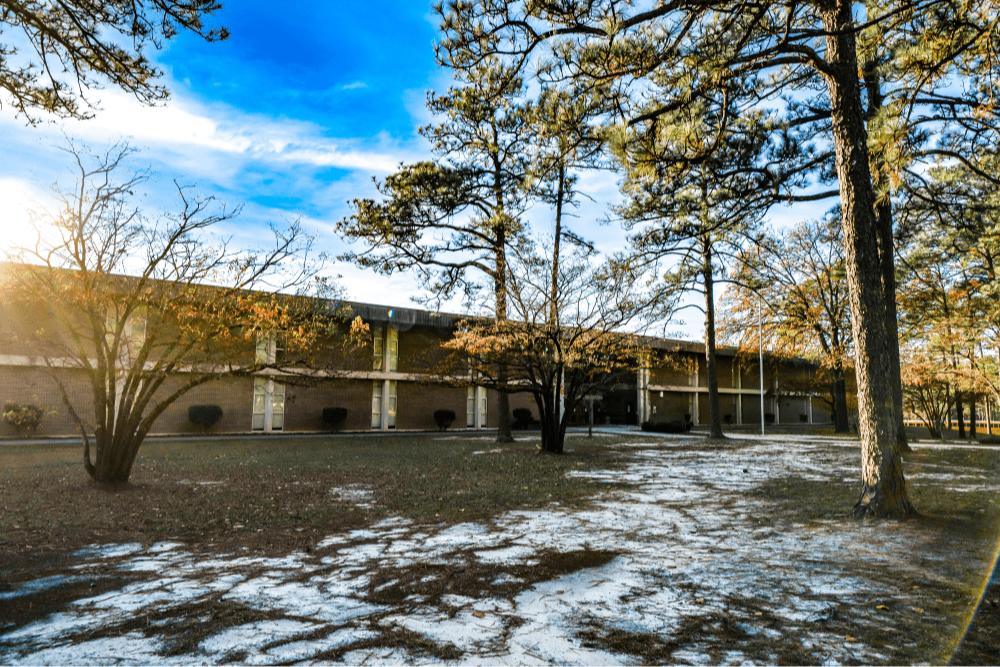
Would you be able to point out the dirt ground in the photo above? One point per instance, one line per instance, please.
(634, 550)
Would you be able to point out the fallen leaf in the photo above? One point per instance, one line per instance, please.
(918, 610)
(881, 606)
(478, 614)
(850, 638)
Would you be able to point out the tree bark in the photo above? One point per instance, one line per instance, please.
(960, 413)
(884, 216)
(552, 433)
(504, 434)
(972, 417)
(883, 492)
(840, 421)
(883, 213)
(711, 370)
(554, 296)
(113, 459)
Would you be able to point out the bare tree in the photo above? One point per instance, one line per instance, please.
(799, 282)
(561, 345)
(147, 311)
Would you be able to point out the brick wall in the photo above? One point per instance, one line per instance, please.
(22, 385)
(417, 402)
(304, 405)
(233, 395)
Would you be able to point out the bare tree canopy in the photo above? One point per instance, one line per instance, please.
(142, 311)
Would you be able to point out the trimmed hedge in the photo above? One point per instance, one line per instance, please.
(334, 417)
(204, 416)
(522, 418)
(444, 418)
(672, 426)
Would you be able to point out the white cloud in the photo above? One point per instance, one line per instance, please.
(184, 126)
(355, 85)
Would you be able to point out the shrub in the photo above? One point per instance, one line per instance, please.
(522, 418)
(768, 417)
(672, 426)
(204, 416)
(25, 418)
(444, 418)
(334, 417)
(984, 439)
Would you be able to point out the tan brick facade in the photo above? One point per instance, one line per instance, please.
(671, 389)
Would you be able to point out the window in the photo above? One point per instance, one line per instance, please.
(270, 350)
(470, 408)
(482, 407)
(259, 403)
(383, 404)
(133, 331)
(391, 405)
(476, 398)
(277, 406)
(378, 349)
(377, 404)
(137, 325)
(268, 405)
(393, 349)
(385, 349)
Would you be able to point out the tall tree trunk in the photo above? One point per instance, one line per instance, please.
(504, 434)
(711, 370)
(554, 295)
(554, 439)
(554, 442)
(948, 401)
(840, 421)
(960, 413)
(883, 491)
(883, 213)
(884, 216)
(972, 416)
(114, 458)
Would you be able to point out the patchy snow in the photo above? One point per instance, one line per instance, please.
(31, 587)
(359, 494)
(686, 532)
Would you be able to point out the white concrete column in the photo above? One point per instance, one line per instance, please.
(642, 394)
(385, 405)
(810, 409)
(480, 414)
(777, 403)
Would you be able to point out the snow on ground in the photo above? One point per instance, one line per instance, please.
(689, 540)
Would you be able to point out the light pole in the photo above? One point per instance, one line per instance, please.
(760, 363)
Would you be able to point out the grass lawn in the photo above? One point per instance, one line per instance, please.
(276, 494)
(630, 548)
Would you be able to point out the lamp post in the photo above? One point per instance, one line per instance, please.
(760, 362)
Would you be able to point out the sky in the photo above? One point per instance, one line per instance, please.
(291, 117)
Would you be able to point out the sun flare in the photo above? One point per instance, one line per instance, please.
(17, 197)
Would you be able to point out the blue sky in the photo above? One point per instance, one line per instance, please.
(292, 116)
